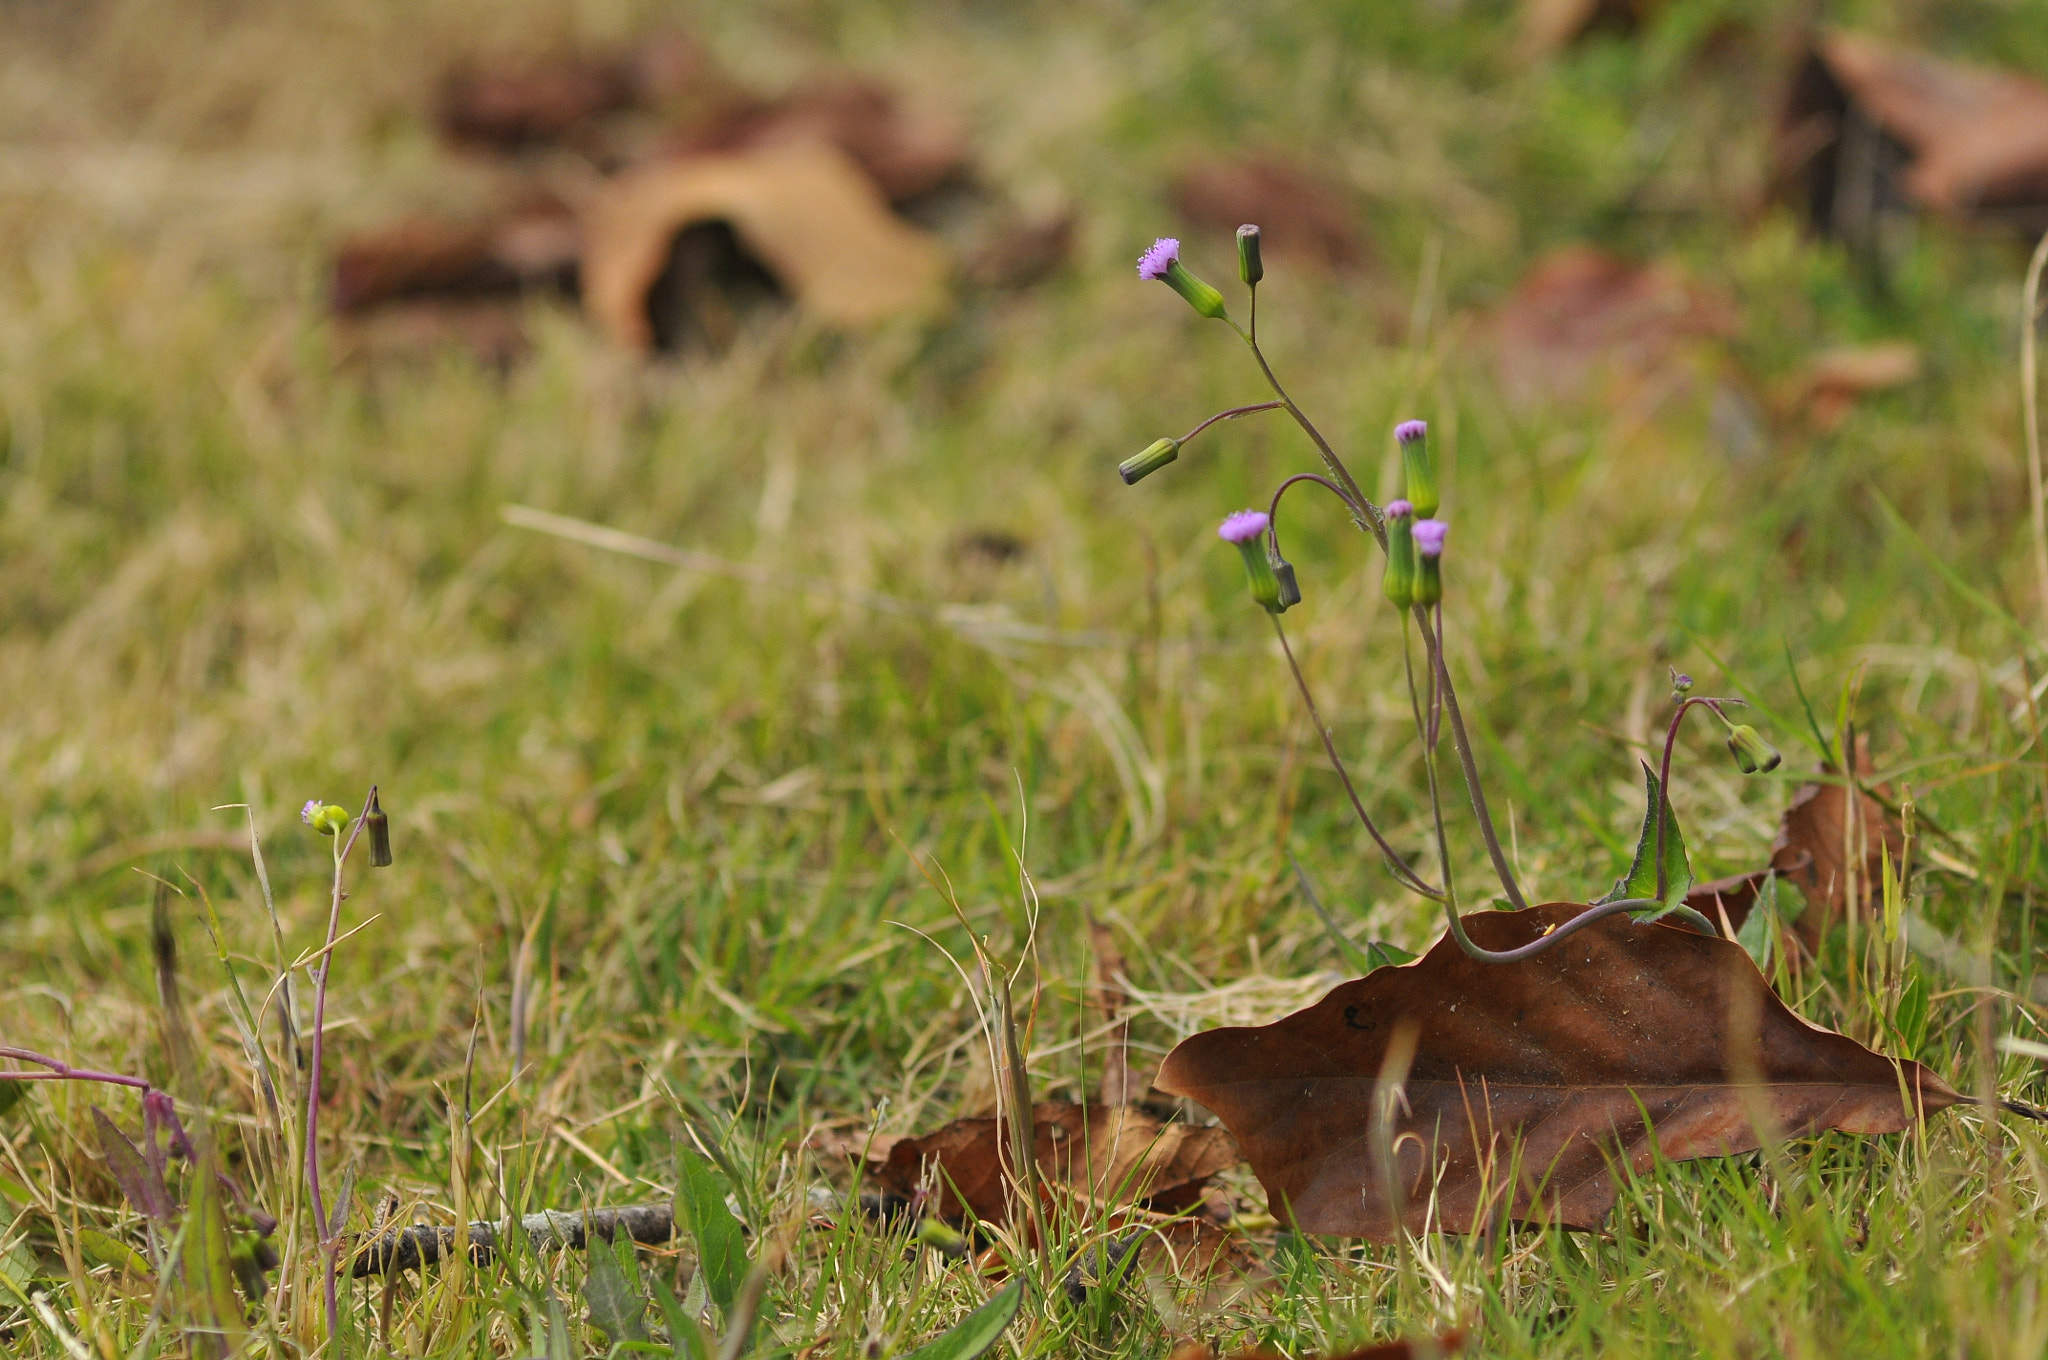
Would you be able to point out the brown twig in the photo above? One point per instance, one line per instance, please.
(424, 1244)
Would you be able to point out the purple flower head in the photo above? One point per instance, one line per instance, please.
(1429, 537)
(310, 810)
(1153, 263)
(1399, 509)
(1243, 527)
(1408, 431)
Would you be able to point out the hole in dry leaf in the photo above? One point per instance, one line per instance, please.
(709, 290)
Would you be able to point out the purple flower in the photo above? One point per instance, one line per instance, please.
(1153, 263)
(310, 810)
(1408, 431)
(1429, 537)
(1399, 509)
(1243, 527)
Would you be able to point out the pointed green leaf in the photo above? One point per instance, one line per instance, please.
(1380, 954)
(1641, 879)
(136, 1177)
(103, 1249)
(721, 1242)
(1759, 933)
(209, 1308)
(974, 1334)
(611, 1288)
(687, 1340)
(559, 1345)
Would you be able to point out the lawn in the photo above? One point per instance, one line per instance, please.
(681, 855)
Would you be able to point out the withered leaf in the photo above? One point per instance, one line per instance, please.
(804, 210)
(1974, 140)
(1299, 213)
(1833, 848)
(1530, 1082)
(907, 151)
(1115, 1156)
(1581, 314)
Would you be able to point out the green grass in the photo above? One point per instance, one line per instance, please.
(685, 816)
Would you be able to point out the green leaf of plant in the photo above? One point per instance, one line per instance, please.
(103, 1249)
(208, 1306)
(611, 1288)
(1380, 954)
(1909, 1021)
(559, 1346)
(974, 1334)
(1641, 879)
(1759, 933)
(12, 1093)
(721, 1241)
(687, 1340)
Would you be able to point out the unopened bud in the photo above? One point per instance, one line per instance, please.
(1250, 267)
(1156, 456)
(1681, 684)
(1399, 582)
(1429, 551)
(1416, 464)
(1290, 589)
(1243, 531)
(379, 827)
(1753, 755)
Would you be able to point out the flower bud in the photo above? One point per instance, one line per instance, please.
(1681, 684)
(1250, 267)
(1283, 572)
(1429, 551)
(1162, 262)
(1399, 582)
(1753, 755)
(325, 818)
(1156, 456)
(1413, 437)
(379, 827)
(1243, 531)
(944, 1240)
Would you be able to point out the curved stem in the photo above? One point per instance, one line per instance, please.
(1566, 931)
(1432, 644)
(1364, 513)
(63, 1071)
(1664, 774)
(1232, 414)
(1398, 866)
(1273, 510)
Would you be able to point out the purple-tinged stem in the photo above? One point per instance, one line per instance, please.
(1407, 876)
(1363, 511)
(1232, 414)
(63, 1071)
(1432, 644)
(328, 1241)
(1273, 510)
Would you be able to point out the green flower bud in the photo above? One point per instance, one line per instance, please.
(1753, 755)
(942, 1239)
(1162, 262)
(1429, 551)
(1156, 456)
(325, 818)
(1399, 582)
(1250, 267)
(1413, 437)
(1290, 589)
(379, 827)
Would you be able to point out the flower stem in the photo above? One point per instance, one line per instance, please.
(1363, 512)
(1448, 696)
(1407, 877)
(1232, 414)
(1664, 775)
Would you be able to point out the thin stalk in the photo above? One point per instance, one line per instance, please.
(1398, 866)
(322, 1230)
(1664, 775)
(1363, 512)
(1449, 697)
(2030, 378)
(1273, 507)
(1232, 414)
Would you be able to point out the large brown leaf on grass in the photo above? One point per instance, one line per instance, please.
(1114, 1156)
(803, 210)
(1531, 1082)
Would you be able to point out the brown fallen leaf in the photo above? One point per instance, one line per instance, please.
(1833, 848)
(1866, 124)
(1828, 387)
(1113, 1156)
(1426, 1348)
(1298, 212)
(907, 151)
(510, 105)
(804, 211)
(535, 245)
(1530, 1082)
(1581, 313)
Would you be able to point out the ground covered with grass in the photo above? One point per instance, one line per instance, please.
(674, 849)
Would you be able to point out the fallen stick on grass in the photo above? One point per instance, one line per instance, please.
(423, 1244)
